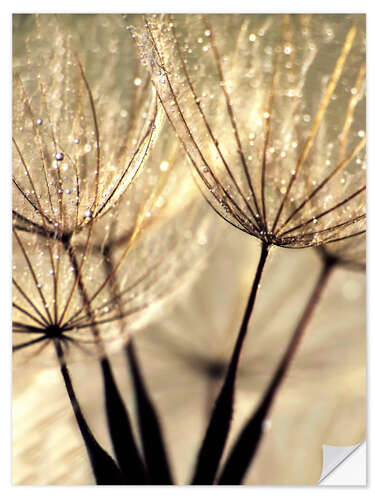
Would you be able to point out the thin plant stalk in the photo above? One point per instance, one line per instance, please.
(105, 470)
(244, 450)
(123, 441)
(154, 450)
(218, 428)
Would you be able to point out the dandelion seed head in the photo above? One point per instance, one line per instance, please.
(290, 118)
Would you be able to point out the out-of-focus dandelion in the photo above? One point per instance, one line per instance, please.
(99, 236)
(350, 253)
(259, 115)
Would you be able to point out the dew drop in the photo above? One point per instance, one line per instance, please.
(87, 148)
(137, 82)
(39, 122)
(59, 156)
(252, 37)
(287, 49)
(88, 213)
(76, 141)
(164, 166)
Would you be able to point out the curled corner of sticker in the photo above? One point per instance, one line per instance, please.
(333, 456)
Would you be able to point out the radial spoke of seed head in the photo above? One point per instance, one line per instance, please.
(30, 302)
(341, 238)
(39, 208)
(28, 314)
(243, 223)
(26, 100)
(86, 303)
(32, 272)
(148, 135)
(78, 344)
(78, 269)
(139, 223)
(232, 118)
(138, 103)
(242, 226)
(209, 129)
(336, 170)
(27, 327)
(267, 135)
(354, 100)
(17, 347)
(96, 129)
(125, 314)
(74, 320)
(318, 117)
(59, 192)
(36, 228)
(35, 208)
(190, 135)
(307, 236)
(326, 212)
(347, 248)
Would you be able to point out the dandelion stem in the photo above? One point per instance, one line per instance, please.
(124, 445)
(122, 438)
(218, 428)
(104, 467)
(150, 429)
(247, 443)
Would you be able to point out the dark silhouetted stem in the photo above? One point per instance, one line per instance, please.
(218, 428)
(247, 443)
(104, 467)
(122, 438)
(152, 440)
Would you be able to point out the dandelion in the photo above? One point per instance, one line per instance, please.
(106, 255)
(295, 183)
(349, 253)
